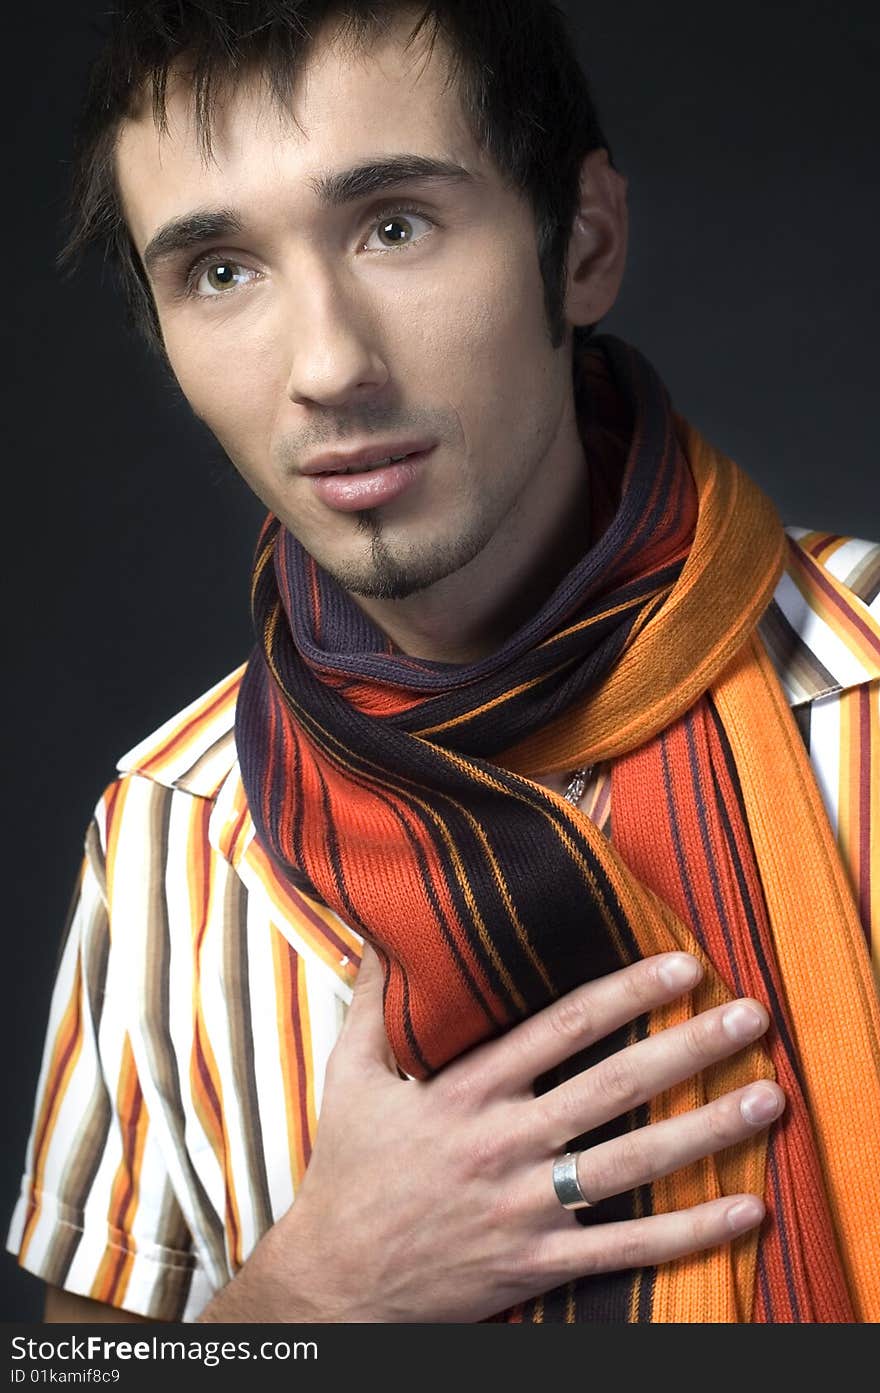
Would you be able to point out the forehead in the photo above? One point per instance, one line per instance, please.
(346, 105)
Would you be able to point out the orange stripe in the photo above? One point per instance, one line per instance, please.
(305, 1027)
(313, 922)
(818, 939)
(872, 773)
(845, 616)
(821, 545)
(205, 1078)
(858, 819)
(514, 692)
(298, 1141)
(69, 1039)
(732, 570)
(192, 728)
(68, 1046)
(115, 819)
(115, 1268)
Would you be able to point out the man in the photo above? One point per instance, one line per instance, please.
(510, 720)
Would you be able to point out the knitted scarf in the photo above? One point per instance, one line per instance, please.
(401, 793)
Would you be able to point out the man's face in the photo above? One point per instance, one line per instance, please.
(402, 319)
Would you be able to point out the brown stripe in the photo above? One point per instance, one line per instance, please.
(88, 1145)
(864, 579)
(303, 1064)
(225, 745)
(791, 657)
(848, 612)
(169, 1297)
(163, 1063)
(238, 1005)
(179, 738)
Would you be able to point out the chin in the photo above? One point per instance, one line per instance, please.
(394, 573)
(386, 582)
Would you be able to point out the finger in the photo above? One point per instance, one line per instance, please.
(575, 1250)
(639, 1072)
(648, 1153)
(363, 1034)
(580, 1018)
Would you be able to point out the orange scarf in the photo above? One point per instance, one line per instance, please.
(403, 794)
(814, 974)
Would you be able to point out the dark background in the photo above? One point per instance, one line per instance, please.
(749, 134)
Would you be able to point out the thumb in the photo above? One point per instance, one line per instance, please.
(364, 1029)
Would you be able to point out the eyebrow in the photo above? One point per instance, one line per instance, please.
(334, 188)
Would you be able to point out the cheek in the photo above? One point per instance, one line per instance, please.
(488, 302)
(487, 340)
(229, 390)
(473, 328)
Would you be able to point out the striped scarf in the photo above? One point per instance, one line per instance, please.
(401, 793)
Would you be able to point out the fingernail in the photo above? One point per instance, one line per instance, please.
(679, 970)
(745, 1214)
(760, 1104)
(742, 1021)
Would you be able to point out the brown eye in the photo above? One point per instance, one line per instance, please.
(395, 231)
(221, 275)
(217, 277)
(399, 230)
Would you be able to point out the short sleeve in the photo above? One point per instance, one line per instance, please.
(97, 1214)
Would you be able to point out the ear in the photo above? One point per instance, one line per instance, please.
(597, 248)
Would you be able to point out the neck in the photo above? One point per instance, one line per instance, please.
(470, 614)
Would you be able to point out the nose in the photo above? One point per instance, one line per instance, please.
(335, 358)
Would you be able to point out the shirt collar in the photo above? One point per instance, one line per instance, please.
(822, 637)
(194, 750)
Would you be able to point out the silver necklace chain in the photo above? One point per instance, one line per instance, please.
(577, 784)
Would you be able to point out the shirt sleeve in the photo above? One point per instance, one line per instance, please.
(97, 1214)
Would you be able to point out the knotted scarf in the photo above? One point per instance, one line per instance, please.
(402, 794)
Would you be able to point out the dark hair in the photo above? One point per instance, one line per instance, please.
(521, 87)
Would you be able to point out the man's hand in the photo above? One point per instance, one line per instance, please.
(434, 1201)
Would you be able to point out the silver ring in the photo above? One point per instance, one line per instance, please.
(566, 1183)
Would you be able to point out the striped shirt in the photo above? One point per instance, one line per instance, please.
(198, 995)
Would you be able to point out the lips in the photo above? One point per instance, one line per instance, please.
(378, 455)
(364, 468)
(369, 482)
